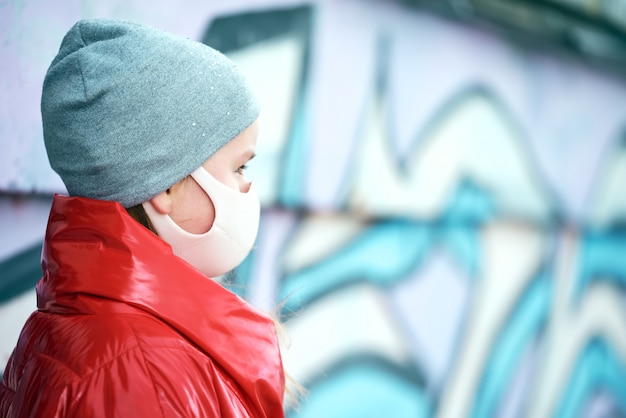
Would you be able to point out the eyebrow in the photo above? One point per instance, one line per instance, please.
(249, 155)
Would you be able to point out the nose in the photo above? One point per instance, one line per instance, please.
(245, 187)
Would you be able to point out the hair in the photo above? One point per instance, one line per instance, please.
(295, 392)
(138, 213)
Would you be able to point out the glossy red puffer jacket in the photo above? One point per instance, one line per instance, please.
(126, 329)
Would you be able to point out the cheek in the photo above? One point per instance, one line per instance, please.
(204, 213)
(196, 213)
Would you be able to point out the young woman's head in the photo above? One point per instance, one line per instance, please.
(159, 123)
(211, 217)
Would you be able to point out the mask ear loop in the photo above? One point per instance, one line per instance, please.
(157, 218)
(211, 200)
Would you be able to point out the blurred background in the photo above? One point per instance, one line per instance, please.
(443, 185)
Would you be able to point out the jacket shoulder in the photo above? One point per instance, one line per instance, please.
(99, 365)
(187, 381)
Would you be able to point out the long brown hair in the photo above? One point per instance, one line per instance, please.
(140, 215)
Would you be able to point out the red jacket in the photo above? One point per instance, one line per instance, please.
(126, 329)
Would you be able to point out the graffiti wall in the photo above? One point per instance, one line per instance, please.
(443, 227)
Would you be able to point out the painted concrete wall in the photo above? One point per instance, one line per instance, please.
(443, 222)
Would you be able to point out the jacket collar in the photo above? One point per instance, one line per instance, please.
(93, 250)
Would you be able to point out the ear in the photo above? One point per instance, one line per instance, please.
(162, 202)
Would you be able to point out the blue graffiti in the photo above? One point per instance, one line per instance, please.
(601, 258)
(366, 389)
(598, 367)
(383, 254)
(526, 322)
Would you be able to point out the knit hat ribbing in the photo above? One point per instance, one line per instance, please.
(129, 110)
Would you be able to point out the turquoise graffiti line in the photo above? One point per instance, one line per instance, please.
(468, 209)
(598, 367)
(366, 387)
(295, 157)
(470, 206)
(385, 253)
(20, 273)
(525, 324)
(388, 250)
(601, 259)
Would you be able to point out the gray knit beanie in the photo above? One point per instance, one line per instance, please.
(129, 110)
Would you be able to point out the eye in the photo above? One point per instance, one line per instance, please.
(241, 169)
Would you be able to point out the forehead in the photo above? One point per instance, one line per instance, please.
(245, 142)
(239, 149)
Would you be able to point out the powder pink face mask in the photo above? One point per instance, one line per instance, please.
(229, 240)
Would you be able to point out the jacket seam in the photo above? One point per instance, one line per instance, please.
(87, 376)
(82, 378)
(145, 364)
(55, 360)
(105, 364)
(235, 391)
(188, 350)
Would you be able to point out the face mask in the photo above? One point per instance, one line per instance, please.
(229, 240)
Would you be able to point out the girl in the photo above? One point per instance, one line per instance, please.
(151, 134)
